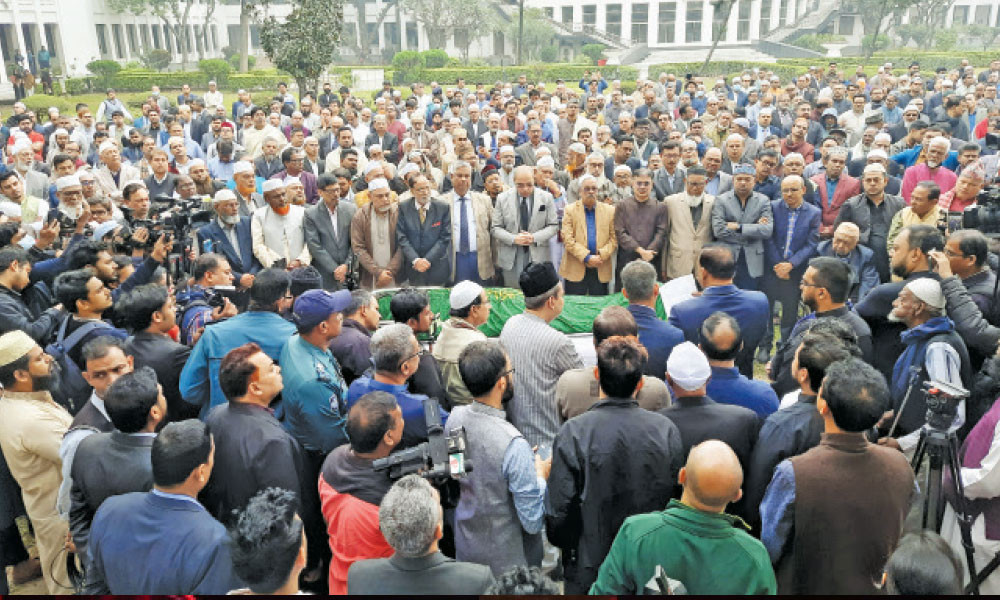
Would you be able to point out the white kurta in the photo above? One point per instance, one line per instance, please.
(277, 237)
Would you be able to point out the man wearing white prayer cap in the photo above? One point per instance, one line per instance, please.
(276, 229)
(35, 183)
(932, 348)
(114, 174)
(373, 236)
(245, 178)
(32, 426)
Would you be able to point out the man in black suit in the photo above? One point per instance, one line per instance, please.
(476, 126)
(229, 235)
(381, 136)
(118, 462)
(423, 233)
(411, 520)
(327, 229)
(268, 163)
(149, 313)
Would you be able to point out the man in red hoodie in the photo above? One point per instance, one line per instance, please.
(350, 490)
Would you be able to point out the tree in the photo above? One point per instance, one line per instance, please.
(173, 13)
(363, 47)
(473, 21)
(306, 42)
(984, 33)
(538, 33)
(444, 18)
(723, 8)
(875, 13)
(210, 6)
(594, 52)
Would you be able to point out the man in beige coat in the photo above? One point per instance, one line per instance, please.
(586, 263)
(689, 225)
(373, 238)
(32, 426)
(470, 309)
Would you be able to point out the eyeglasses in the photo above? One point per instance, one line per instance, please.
(952, 254)
(420, 352)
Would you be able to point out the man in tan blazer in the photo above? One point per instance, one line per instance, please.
(474, 262)
(586, 263)
(373, 238)
(689, 225)
(114, 175)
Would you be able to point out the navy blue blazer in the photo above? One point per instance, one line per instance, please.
(659, 338)
(430, 239)
(609, 166)
(749, 308)
(805, 236)
(142, 543)
(219, 243)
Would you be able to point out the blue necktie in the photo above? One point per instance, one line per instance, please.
(463, 228)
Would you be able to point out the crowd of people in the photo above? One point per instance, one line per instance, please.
(200, 381)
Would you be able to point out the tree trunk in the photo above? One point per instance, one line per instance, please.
(244, 38)
(717, 36)
(359, 7)
(869, 48)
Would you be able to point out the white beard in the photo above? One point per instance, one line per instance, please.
(693, 201)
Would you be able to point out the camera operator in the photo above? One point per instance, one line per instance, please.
(135, 197)
(933, 352)
(208, 271)
(502, 506)
(980, 472)
(975, 329)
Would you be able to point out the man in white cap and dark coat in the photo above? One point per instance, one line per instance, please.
(933, 352)
(373, 237)
(246, 188)
(276, 229)
(32, 426)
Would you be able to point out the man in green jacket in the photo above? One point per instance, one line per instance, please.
(694, 542)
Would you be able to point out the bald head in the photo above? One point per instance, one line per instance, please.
(712, 477)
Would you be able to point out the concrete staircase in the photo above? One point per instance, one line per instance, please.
(810, 23)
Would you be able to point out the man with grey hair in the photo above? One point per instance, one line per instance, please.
(382, 137)
(524, 220)
(412, 522)
(659, 337)
(396, 355)
(835, 186)
(872, 211)
(932, 169)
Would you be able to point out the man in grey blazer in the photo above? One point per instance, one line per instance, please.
(524, 219)
(669, 179)
(525, 153)
(718, 182)
(742, 220)
(411, 521)
(327, 229)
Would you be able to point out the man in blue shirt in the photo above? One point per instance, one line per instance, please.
(659, 337)
(721, 341)
(396, 354)
(262, 324)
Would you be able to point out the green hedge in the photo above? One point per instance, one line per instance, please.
(142, 80)
(724, 68)
(489, 75)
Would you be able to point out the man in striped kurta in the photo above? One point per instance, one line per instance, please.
(539, 354)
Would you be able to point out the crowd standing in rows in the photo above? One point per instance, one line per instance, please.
(197, 382)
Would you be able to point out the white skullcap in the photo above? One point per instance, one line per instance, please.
(506, 149)
(939, 141)
(271, 185)
(195, 162)
(878, 153)
(242, 166)
(623, 169)
(927, 291)
(687, 366)
(546, 161)
(793, 156)
(377, 184)
(67, 181)
(22, 145)
(464, 293)
(15, 345)
(223, 195)
(586, 177)
(911, 106)
(407, 169)
(292, 180)
(882, 136)
(578, 148)
(107, 145)
(60, 131)
(373, 165)
(734, 136)
(874, 168)
(374, 147)
(176, 138)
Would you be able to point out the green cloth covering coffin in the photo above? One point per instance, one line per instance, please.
(577, 316)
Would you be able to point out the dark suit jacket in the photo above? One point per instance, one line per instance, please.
(434, 574)
(805, 236)
(659, 338)
(167, 358)
(430, 240)
(476, 130)
(609, 166)
(328, 250)
(109, 464)
(266, 169)
(389, 143)
(142, 543)
(750, 309)
(241, 261)
(252, 452)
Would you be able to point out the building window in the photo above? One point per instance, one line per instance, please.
(613, 19)
(782, 12)
(960, 16)
(567, 14)
(590, 14)
(144, 32)
(392, 35)
(692, 32)
(102, 39)
(133, 40)
(461, 38)
(215, 37)
(550, 12)
(640, 23)
(156, 36)
(412, 36)
(846, 25)
(765, 17)
(982, 14)
(743, 21)
(119, 41)
(666, 22)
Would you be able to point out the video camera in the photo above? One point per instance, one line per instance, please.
(216, 296)
(352, 280)
(440, 458)
(942, 403)
(984, 215)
